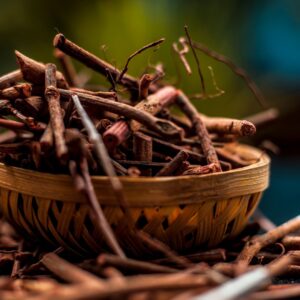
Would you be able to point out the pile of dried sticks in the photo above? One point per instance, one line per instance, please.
(251, 267)
(56, 122)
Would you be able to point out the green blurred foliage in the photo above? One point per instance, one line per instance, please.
(126, 25)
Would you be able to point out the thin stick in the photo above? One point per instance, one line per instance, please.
(132, 265)
(92, 61)
(15, 125)
(196, 59)
(96, 93)
(101, 220)
(22, 90)
(56, 118)
(173, 165)
(34, 71)
(181, 53)
(144, 85)
(46, 139)
(125, 69)
(142, 150)
(234, 68)
(7, 108)
(10, 79)
(257, 243)
(67, 271)
(101, 152)
(208, 150)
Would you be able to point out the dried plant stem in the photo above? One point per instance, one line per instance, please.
(132, 264)
(67, 271)
(151, 45)
(46, 139)
(142, 150)
(161, 126)
(291, 242)
(10, 79)
(102, 94)
(92, 61)
(7, 108)
(15, 125)
(196, 59)
(229, 126)
(173, 165)
(191, 112)
(34, 72)
(103, 224)
(144, 85)
(181, 53)
(257, 243)
(56, 118)
(22, 90)
(100, 150)
(237, 70)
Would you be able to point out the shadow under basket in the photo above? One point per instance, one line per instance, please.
(183, 212)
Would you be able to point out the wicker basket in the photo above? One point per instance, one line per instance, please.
(183, 212)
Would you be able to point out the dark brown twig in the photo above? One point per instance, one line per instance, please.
(10, 79)
(56, 118)
(133, 265)
(174, 164)
(257, 243)
(197, 122)
(34, 71)
(151, 45)
(196, 59)
(92, 61)
(237, 70)
(97, 210)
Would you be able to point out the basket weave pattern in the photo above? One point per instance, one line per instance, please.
(199, 216)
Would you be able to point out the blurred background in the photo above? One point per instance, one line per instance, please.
(261, 36)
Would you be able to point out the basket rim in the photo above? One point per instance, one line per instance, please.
(60, 187)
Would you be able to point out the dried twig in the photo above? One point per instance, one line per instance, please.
(237, 70)
(125, 69)
(56, 119)
(257, 243)
(206, 144)
(92, 61)
(185, 49)
(196, 59)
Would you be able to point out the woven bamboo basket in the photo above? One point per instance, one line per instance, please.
(183, 212)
